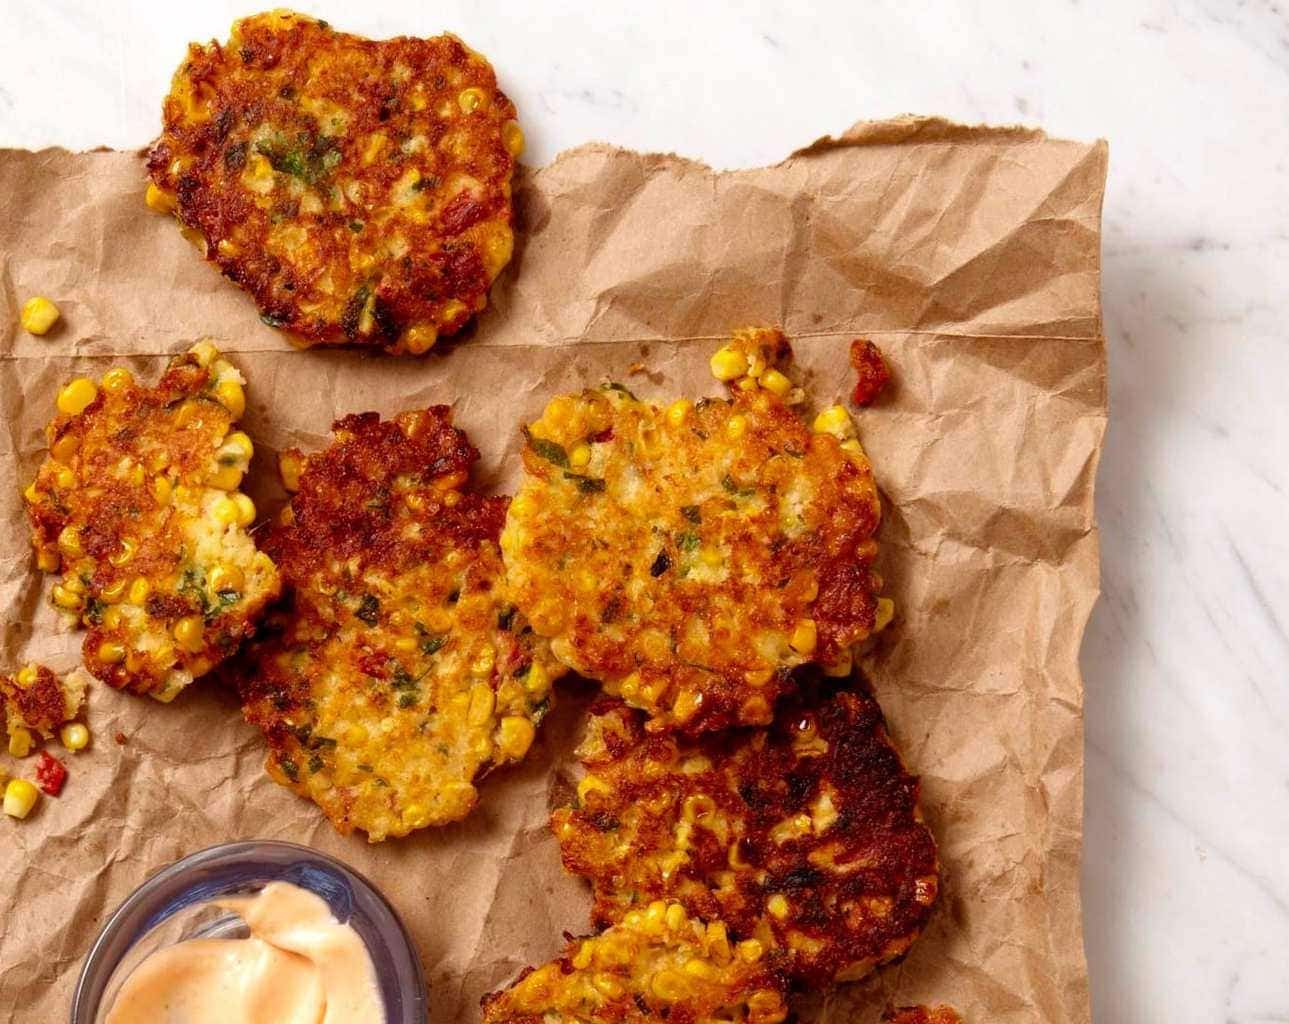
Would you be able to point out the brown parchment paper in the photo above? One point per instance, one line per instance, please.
(970, 255)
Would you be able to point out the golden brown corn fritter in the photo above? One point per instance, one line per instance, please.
(657, 964)
(688, 557)
(401, 673)
(359, 190)
(138, 505)
(805, 836)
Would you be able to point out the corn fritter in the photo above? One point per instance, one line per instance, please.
(688, 557)
(137, 505)
(401, 672)
(360, 190)
(805, 836)
(658, 964)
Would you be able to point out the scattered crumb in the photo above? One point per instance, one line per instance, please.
(921, 1015)
(871, 371)
(636, 368)
(120, 738)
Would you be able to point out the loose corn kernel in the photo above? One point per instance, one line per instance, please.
(835, 420)
(289, 466)
(420, 338)
(804, 637)
(231, 397)
(750, 951)
(778, 906)
(226, 577)
(728, 364)
(471, 99)
(580, 455)
(678, 411)
(226, 478)
(117, 379)
(162, 488)
(76, 396)
(48, 560)
(38, 315)
(188, 633)
(885, 612)
(736, 427)
(111, 652)
(773, 380)
(515, 736)
(19, 798)
(159, 200)
(19, 742)
(139, 591)
(66, 599)
(512, 137)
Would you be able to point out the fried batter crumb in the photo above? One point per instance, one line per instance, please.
(921, 1015)
(359, 190)
(36, 699)
(805, 836)
(688, 556)
(401, 672)
(871, 372)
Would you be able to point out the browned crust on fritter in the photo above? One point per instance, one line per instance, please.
(737, 823)
(44, 705)
(384, 207)
(921, 1015)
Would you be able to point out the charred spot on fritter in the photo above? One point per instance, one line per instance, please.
(360, 190)
(805, 836)
(399, 673)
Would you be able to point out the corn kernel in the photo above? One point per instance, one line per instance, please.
(231, 397)
(38, 315)
(19, 742)
(69, 542)
(728, 364)
(717, 941)
(608, 986)
(188, 633)
(580, 455)
(750, 950)
(123, 553)
(885, 612)
(159, 200)
(699, 969)
(226, 478)
(669, 985)
(290, 465)
(777, 906)
(226, 577)
(482, 703)
(27, 675)
(687, 705)
(245, 509)
(162, 488)
(238, 444)
(66, 599)
(204, 352)
(676, 917)
(113, 617)
(111, 652)
(416, 815)
(804, 637)
(471, 99)
(139, 591)
(484, 663)
(512, 137)
(224, 511)
(736, 427)
(48, 560)
(76, 396)
(117, 379)
(582, 958)
(452, 310)
(747, 384)
(835, 420)
(115, 590)
(758, 676)
(852, 447)
(420, 339)
(515, 736)
(65, 447)
(773, 380)
(19, 798)
(678, 411)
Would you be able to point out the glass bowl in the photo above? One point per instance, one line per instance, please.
(171, 907)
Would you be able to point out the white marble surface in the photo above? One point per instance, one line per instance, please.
(1186, 878)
